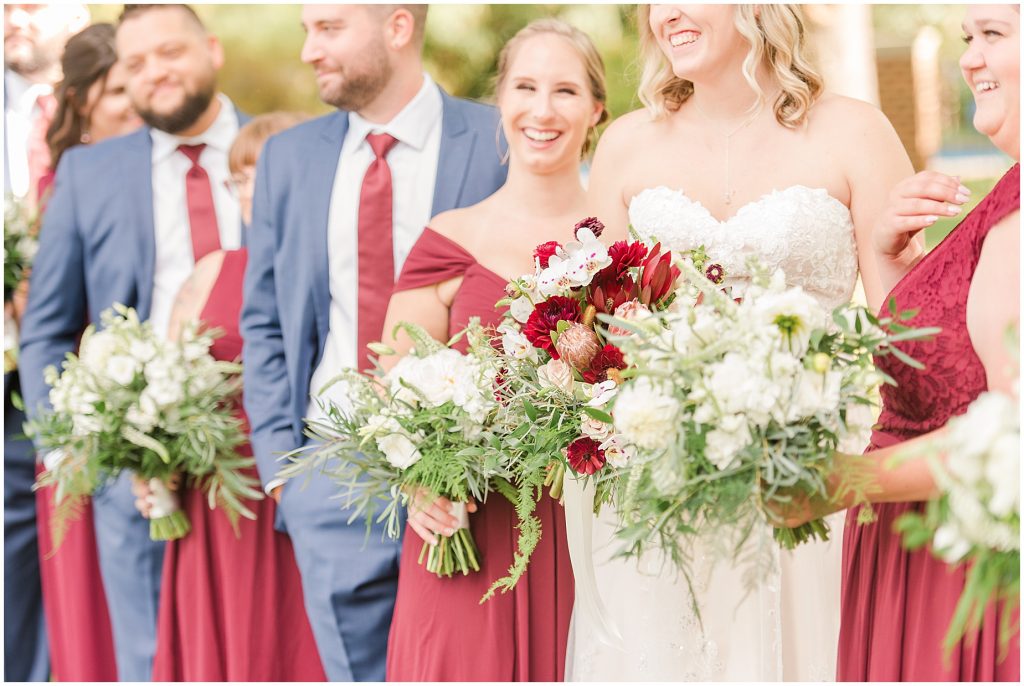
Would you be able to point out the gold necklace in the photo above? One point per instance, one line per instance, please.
(730, 192)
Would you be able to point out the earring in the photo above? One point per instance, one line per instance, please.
(502, 158)
(85, 138)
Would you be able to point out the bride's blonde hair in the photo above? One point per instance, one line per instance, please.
(777, 38)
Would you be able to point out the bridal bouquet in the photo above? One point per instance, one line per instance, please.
(429, 424)
(132, 401)
(561, 371)
(20, 243)
(976, 519)
(738, 409)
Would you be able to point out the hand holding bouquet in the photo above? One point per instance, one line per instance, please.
(132, 401)
(430, 424)
(739, 407)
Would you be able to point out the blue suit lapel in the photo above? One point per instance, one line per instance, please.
(321, 167)
(137, 166)
(457, 142)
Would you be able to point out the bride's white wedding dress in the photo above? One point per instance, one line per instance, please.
(787, 626)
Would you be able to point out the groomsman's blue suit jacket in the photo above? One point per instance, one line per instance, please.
(97, 246)
(349, 580)
(287, 289)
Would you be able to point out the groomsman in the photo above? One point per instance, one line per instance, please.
(34, 37)
(128, 219)
(339, 203)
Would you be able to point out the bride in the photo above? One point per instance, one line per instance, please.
(737, 149)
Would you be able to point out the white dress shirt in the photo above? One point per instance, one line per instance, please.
(413, 163)
(174, 261)
(20, 112)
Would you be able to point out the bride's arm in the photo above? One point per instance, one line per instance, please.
(875, 162)
(605, 187)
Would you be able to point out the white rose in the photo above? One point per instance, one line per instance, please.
(556, 374)
(646, 415)
(394, 442)
(726, 440)
(122, 369)
(594, 428)
(1002, 471)
(96, 349)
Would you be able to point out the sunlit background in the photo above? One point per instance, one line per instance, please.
(900, 57)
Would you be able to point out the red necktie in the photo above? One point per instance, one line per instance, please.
(202, 215)
(38, 148)
(376, 251)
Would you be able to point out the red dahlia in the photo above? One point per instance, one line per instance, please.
(585, 455)
(544, 319)
(608, 357)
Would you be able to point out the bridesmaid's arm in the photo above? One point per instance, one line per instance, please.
(192, 296)
(993, 306)
(423, 306)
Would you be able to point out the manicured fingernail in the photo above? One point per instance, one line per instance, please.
(952, 209)
(931, 219)
(449, 532)
(961, 198)
(964, 190)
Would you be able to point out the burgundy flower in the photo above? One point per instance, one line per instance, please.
(592, 223)
(608, 357)
(544, 319)
(585, 455)
(544, 251)
(659, 277)
(715, 273)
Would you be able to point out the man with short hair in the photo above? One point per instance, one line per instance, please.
(339, 203)
(128, 219)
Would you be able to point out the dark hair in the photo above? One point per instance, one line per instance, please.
(130, 11)
(88, 57)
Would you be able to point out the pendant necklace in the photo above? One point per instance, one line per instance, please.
(730, 192)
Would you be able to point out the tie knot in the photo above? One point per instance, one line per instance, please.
(192, 152)
(381, 143)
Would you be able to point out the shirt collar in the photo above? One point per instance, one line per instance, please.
(20, 93)
(412, 125)
(220, 134)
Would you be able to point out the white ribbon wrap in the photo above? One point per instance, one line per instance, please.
(578, 500)
(459, 512)
(161, 500)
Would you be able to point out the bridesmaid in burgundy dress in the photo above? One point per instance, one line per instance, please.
(91, 106)
(212, 624)
(897, 605)
(550, 93)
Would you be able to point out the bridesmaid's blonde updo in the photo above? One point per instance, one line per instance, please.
(777, 39)
(580, 41)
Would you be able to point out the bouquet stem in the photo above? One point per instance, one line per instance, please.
(172, 527)
(791, 538)
(455, 553)
(555, 479)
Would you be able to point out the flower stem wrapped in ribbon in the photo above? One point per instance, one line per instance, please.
(132, 401)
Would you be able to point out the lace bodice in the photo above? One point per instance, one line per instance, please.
(805, 231)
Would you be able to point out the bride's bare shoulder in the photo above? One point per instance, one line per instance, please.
(834, 113)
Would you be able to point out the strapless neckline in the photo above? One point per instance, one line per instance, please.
(772, 194)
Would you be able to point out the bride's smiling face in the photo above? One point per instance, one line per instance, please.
(991, 67)
(546, 105)
(700, 41)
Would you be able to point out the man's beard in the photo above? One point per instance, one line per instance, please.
(359, 89)
(29, 62)
(186, 115)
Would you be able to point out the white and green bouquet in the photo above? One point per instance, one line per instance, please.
(431, 424)
(737, 411)
(132, 401)
(976, 519)
(21, 242)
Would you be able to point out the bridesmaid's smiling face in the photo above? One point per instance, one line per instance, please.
(991, 67)
(546, 105)
(701, 42)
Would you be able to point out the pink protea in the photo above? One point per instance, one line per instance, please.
(578, 345)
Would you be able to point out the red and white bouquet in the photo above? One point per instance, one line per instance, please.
(560, 368)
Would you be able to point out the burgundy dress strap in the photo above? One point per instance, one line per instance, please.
(433, 259)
